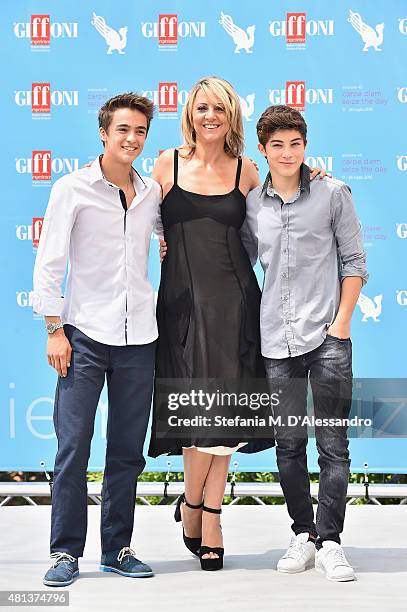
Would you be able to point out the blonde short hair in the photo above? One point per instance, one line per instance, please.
(216, 87)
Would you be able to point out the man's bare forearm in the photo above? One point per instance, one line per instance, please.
(350, 291)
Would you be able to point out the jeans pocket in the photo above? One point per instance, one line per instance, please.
(339, 339)
(56, 402)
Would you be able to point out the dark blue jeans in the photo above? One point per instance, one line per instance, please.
(329, 370)
(129, 371)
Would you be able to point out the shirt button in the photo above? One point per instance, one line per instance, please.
(285, 298)
(286, 321)
(284, 225)
(284, 275)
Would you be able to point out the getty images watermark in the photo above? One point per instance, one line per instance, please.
(248, 409)
(203, 401)
(207, 402)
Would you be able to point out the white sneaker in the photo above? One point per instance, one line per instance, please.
(331, 561)
(299, 556)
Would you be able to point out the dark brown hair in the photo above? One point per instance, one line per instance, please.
(127, 100)
(280, 118)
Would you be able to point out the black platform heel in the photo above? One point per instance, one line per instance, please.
(193, 544)
(217, 562)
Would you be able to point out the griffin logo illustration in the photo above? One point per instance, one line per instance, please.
(116, 41)
(247, 105)
(371, 309)
(242, 39)
(371, 37)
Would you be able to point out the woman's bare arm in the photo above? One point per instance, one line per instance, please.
(249, 178)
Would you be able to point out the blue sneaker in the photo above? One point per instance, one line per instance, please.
(63, 571)
(124, 562)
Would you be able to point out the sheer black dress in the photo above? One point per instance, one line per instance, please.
(208, 304)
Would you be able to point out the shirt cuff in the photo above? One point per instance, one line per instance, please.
(363, 275)
(48, 306)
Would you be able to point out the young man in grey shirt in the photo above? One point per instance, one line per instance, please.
(309, 244)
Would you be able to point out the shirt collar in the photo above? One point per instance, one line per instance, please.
(304, 182)
(96, 174)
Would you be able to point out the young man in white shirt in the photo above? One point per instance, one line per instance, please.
(100, 219)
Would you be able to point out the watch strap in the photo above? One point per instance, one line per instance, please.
(52, 327)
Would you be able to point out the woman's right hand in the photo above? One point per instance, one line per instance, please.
(255, 164)
(163, 249)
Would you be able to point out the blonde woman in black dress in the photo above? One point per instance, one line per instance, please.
(208, 304)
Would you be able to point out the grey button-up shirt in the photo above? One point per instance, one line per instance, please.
(306, 246)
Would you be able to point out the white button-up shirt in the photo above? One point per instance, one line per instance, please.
(108, 295)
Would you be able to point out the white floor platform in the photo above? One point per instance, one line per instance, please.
(375, 542)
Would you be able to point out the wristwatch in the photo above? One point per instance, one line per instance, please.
(52, 327)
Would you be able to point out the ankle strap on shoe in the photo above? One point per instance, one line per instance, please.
(193, 506)
(212, 510)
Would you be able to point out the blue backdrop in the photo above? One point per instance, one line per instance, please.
(342, 63)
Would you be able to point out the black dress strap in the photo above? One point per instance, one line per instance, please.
(238, 171)
(175, 166)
